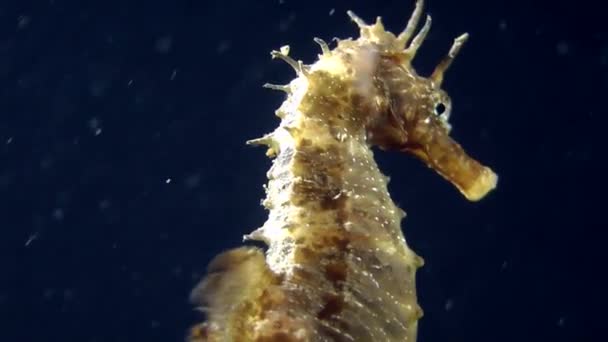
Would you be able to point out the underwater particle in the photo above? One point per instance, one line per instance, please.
(286, 23)
(562, 48)
(192, 181)
(332, 11)
(97, 88)
(449, 305)
(604, 55)
(163, 44)
(177, 271)
(95, 126)
(31, 239)
(9, 140)
(173, 74)
(502, 25)
(168, 180)
(46, 162)
(104, 204)
(48, 293)
(23, 21)
(58, 214)
(68, 295)
(223, 46)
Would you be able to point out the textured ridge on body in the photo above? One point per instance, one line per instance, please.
(337, 267)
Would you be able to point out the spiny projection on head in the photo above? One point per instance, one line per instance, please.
(337, 267)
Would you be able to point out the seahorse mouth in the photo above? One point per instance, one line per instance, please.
(440, 152)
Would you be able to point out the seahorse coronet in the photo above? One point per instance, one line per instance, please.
(337, 266)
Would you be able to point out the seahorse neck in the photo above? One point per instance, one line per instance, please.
(331, 218)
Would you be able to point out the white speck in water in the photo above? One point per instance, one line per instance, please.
(163, 44)
(173, 74)
(48, 294)
(332, 11)
(95, 126)
(46, 162)
(193, 181)
(104, 204)
(97, 88)
(286, 23)
(502, 25)
(58, 214)
(449, 305)
(223, 46)
(23, 21)
(9, 140)
(563, 48)
(68, 294)
(31, 239)
(168, 180)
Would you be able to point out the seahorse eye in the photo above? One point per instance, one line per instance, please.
(440, 108)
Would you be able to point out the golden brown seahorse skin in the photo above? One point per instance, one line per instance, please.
(338, 267)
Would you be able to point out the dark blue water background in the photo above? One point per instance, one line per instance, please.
(123, 168)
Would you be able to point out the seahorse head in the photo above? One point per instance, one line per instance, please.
(413, 111)
(370, 84)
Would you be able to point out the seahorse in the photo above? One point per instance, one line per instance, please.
(337, 266)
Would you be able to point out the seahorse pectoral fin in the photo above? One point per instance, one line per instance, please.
(440, 152)
(228, 294)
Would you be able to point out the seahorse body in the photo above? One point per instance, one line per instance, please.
(337, 266)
